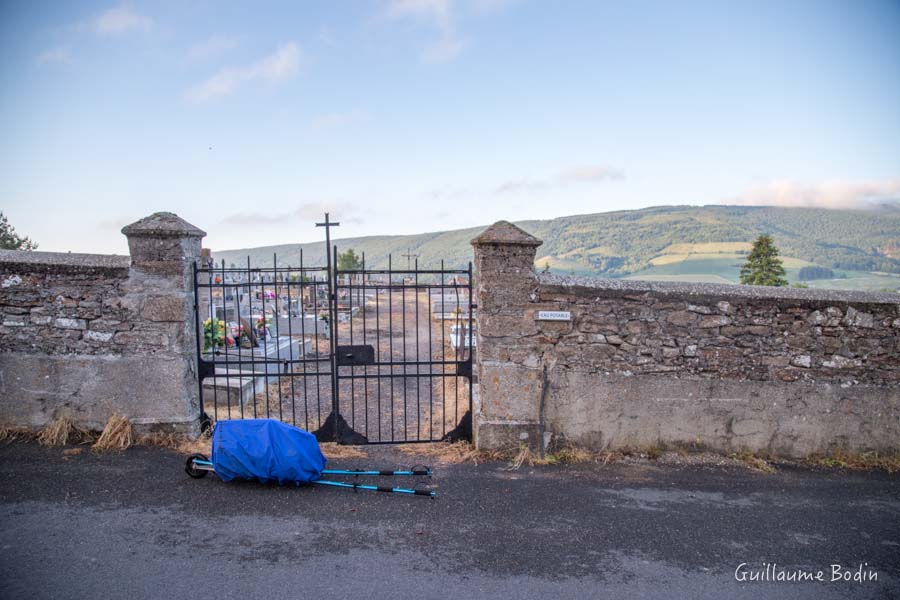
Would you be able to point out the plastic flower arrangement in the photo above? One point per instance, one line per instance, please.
(213, 334)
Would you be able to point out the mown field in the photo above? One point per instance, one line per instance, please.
(725, 268)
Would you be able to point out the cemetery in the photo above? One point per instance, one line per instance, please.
(173, 341)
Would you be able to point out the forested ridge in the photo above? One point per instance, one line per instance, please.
(616, 244)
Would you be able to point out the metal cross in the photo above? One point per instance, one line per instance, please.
(332, 322)
(409, 255)
(328, 225)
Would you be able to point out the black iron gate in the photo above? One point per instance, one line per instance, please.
(354, 354)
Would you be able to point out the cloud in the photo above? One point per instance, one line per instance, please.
(336, 120)
(210, 48)
(121, 19)
(834, 195)
(438, 14)
(585, 174)
(278, 66)
(344, 212)
(521, 185)
(59, 54)
(594, 173)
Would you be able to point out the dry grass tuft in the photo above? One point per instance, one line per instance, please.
(755, 462)
(178, 442)
(450, 453)
(464, 452)
(524, 457)
(570, 455)
(564, 455)
(61, 431)
(332, 450)
(609, 456)
(172, 441)
(10, 434)
(864, 461)
(652, 452)
(201, 445)
(117, 435)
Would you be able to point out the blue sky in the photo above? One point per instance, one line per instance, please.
(402, 116)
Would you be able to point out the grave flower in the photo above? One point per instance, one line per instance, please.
(213, 334)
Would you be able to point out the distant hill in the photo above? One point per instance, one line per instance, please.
(670, 242)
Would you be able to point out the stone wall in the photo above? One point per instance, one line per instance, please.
(86, 335)
(787, 371)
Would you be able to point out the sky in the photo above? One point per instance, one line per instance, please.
(251, 119)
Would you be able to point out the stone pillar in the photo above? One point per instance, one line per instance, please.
(508, 413)
(160, 289)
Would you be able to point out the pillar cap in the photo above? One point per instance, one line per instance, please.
(504, 232)
(162, 224)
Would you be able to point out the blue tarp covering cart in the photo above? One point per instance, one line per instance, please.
(268, 450)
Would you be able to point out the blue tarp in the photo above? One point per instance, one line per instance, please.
(267, 450)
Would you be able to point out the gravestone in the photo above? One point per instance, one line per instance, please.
(459, 336)
(231, 313)
(275, 351)
(230, 385)
(442, 311)
(305, 325)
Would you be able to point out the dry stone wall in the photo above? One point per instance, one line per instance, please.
(788, 371)
(87, 335)
(724, 332)
(63, 304)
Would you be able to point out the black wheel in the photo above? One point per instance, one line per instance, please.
(205, 423)
(193, 471)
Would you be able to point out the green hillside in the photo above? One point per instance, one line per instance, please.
(672, 242)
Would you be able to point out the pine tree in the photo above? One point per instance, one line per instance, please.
(10, 241)
(763, 267)
(349, 261)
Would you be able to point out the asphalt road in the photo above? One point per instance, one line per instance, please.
(134, 526)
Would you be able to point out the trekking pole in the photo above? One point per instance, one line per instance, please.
(373, 488)
(417, 470)
(200, 464)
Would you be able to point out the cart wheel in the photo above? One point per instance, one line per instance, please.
(191, 470)
(205, 423)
